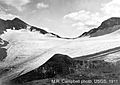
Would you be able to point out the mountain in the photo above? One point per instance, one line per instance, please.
(12, 24)
(17, 24)
(61, 66)
(32, 55)
(58, 64)
(108, 26)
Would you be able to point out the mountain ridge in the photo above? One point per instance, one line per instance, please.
(17, 24)
(106, 27)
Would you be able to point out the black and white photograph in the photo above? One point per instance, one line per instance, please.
(59, 42)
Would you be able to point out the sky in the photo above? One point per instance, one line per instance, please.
(68, 18)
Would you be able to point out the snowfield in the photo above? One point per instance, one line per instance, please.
(29, 50)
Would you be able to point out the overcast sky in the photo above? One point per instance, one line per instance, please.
(64, 17)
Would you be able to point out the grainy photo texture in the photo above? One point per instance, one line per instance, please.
(59, 42)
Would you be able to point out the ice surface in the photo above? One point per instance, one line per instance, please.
(29, 50)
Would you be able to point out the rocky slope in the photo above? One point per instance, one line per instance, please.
(62, 67)
(18, 24)
(3, 50)
(108, 26)
(58, 64)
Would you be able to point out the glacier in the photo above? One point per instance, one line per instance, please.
(28, 50)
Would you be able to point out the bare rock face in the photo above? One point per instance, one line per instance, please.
(38, 29)
(3, 50)
(10, 24)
